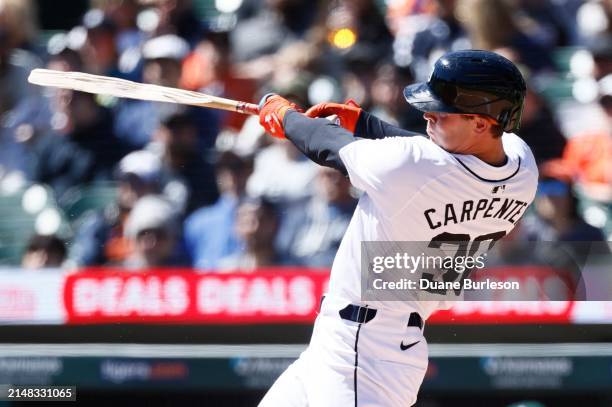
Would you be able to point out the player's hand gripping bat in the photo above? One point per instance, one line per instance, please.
(106, 85)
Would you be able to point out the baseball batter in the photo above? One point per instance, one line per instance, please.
(469, 181)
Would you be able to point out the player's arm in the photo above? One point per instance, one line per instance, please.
(377, 167)
(318, 139)
(359, 122)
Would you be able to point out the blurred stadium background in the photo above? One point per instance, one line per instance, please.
(160, 255)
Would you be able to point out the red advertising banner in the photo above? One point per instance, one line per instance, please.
(535, 282)
(273, 295)
(31, 297)
(171, 296)
(506, 312)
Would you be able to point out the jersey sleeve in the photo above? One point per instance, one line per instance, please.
(385, 169)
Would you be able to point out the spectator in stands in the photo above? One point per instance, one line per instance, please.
(311, 230)
(17, 33)
(209, 69)
(18, 29)
(369, 41)
(136, 120)
(61, 56)
(421, 38)
(20, 130)
(555, 233)
(493, 24)
(553, 25)
(28, 128)
(559, 236)
(400, 10)
(255, 227)
(188, 179)
(99, 51)
(556, 210)
(282, 173)
(113, 37)
(209, 232)
(178, 17)
(539, 128)
(44, 251)
(100, 238)
(275, 24)
(588, 156)
(84, 130)
(18, 19)
(77, 126)
(288, 72)
(152, 227)
(123, 14)
(388, 101)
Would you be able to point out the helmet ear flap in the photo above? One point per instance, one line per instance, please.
(510, 119)
(504, 118)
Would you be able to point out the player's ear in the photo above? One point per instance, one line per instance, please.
(481, 125)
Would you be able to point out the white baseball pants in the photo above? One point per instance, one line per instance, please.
(354, 364)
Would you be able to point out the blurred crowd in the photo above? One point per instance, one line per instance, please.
(168, 185)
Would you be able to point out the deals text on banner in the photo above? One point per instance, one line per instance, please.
(269, 296)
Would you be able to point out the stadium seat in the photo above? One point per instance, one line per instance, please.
(81, 200)
(23, 213)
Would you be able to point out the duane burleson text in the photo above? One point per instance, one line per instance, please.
(425, 284)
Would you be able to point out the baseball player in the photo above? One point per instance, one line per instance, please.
(470, 180)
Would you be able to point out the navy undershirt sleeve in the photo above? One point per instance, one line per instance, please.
(319, 139)
(371, 127)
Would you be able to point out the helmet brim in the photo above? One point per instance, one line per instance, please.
(421, 97)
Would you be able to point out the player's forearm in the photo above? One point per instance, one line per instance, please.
(319, 139)
(371, 127)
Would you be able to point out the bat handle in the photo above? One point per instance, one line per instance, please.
(247, 108)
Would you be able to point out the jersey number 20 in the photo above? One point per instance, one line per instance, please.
(466, 248)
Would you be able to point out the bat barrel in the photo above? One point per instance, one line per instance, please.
(117, 87)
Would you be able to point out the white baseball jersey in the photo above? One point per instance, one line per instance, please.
(416, 191)
(413, 191)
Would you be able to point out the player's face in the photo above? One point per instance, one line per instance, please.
(450, 131)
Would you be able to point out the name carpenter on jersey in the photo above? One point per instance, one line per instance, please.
(506, 209)
(426, 284)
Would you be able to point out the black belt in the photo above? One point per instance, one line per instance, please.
(364, 315)
(356, 313)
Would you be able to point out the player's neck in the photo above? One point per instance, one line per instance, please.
(495, 160)
(492, 153)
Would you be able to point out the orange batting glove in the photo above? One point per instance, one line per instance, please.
(272, 110)
(348, 113)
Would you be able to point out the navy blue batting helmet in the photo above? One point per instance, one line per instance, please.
(472, 82)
